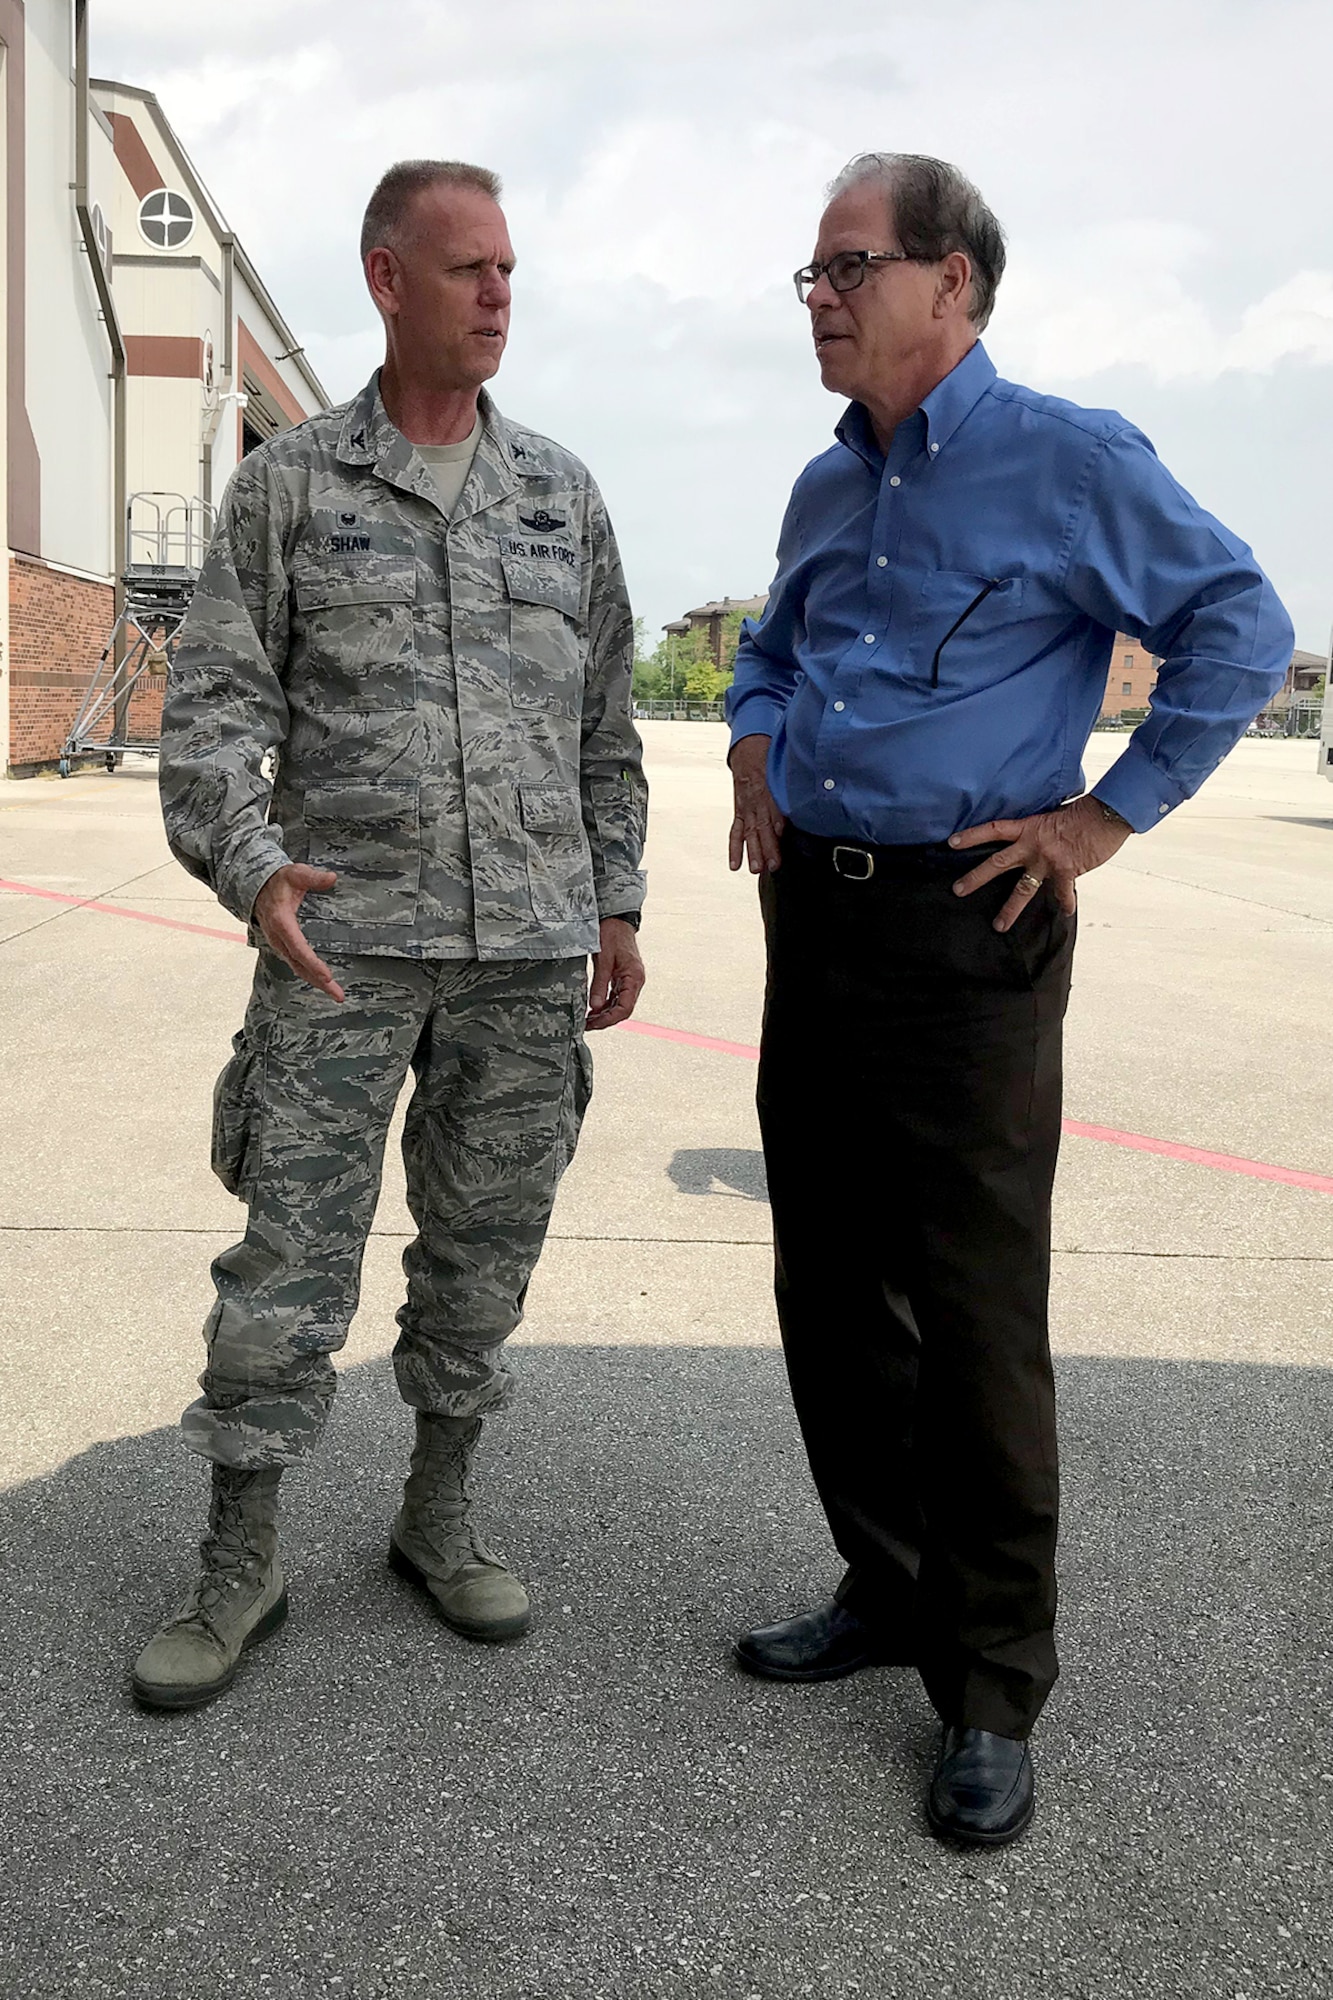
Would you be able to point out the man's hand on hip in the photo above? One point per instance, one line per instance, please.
(275, 911)
(1055, 847)
(617, 975)
(756, 830)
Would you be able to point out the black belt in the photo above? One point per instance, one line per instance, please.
(861, 860)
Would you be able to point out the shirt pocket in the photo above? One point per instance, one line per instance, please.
(963, 629)
(545, 642)
(559, 860)
(370, 835)
(358, 617)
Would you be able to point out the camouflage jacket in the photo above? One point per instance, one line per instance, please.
(447, 704)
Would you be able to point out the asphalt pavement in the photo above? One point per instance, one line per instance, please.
(609, 1811)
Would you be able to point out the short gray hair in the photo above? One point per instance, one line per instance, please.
(936, 210)
(388, 207)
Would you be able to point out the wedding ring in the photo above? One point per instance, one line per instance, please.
(1029, 881)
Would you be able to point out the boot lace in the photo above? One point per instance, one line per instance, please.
(229, 1562)
(443, 1501)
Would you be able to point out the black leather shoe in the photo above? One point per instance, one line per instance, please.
(983, 1791)
(820, 1645)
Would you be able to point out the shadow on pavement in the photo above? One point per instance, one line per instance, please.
(608, 1809)
(740, 1172)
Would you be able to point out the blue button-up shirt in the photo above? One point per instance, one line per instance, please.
(934, 649)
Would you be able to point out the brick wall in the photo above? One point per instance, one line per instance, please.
(58, 626)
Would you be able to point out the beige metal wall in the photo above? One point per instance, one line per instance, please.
(176, 300)
(175, 443)
(170, 304)
(67, 386)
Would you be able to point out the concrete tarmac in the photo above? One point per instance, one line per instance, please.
(609, 1811)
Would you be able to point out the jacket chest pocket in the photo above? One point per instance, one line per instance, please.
(545, 643)
(357, 614)
(963, 630)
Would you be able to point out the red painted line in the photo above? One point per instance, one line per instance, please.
(692, 1041)
(119, 910)
(1137, 1142)
(1227, 1163)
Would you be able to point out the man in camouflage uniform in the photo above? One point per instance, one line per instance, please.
(415, 610)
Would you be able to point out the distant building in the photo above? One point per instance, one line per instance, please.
(1305, 673)
(144, 355)
(1131, 676)
(712, 619)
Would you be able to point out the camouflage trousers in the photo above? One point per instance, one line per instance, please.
(301, 1112)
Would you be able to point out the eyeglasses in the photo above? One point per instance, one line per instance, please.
(845, 271)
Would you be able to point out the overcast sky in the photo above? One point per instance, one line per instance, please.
(1162, 168)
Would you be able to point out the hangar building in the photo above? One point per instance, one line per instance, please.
(143, 357)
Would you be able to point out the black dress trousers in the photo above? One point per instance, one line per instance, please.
(909, 1098)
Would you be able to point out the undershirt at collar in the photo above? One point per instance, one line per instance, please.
(449, 466)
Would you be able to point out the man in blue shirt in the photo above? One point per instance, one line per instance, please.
(908, 721)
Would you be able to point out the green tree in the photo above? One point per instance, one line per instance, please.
(692, 666)
(650, 680)
(681, 666)
(703, 682)
(652, 670)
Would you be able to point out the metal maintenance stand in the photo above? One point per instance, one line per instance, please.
(166, 536)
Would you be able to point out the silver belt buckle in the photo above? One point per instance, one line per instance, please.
(861, 874)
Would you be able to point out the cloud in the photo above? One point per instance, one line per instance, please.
(1160, 168)
(1295, 319)
(1129, 295)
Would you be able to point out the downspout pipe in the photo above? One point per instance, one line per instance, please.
(101, 279)
(229, 305)
(226, 382)
(115, 340)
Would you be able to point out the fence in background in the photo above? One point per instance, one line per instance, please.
(1299, 717)
(678, 711)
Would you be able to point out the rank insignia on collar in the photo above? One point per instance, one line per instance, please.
(358, 440)
(541, 523)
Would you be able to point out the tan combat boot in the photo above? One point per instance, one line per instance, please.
(239, 1599)
(435, 1544)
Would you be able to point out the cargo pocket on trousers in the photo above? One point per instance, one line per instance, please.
(238, 1118)
(578, 1095)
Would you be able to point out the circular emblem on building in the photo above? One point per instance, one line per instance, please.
(166, 219)
(102, 237)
